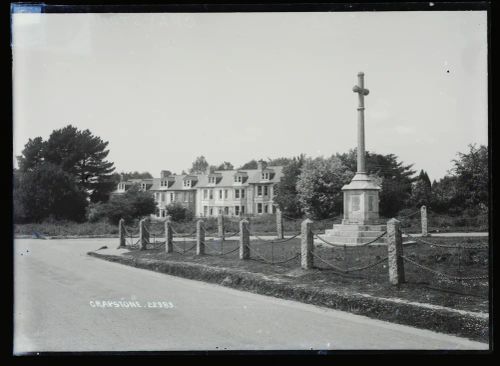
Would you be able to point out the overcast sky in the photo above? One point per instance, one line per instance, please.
(166, 88)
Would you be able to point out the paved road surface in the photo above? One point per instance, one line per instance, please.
(57, 285)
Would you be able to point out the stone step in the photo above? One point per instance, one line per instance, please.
(364, 234)
(351, 239)
(341, 227)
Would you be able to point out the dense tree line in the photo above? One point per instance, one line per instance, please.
(313, 187)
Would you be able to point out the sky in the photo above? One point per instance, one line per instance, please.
(164, 88)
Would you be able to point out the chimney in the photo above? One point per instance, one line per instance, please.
(207, 170)
(261, 164)
(164, 174)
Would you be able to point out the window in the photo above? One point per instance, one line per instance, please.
(274, 209)
(242, 209)
(220, 193)
(187, 183)
(172, 197)
(226, 210)
(265, 175)
(225, 194)
(236, 210)
(265, 208)
(242, 193)
(211, 180)
(220, 211)
(259, 190)
(211, 211)
(205, 210)
(238, 178)
(266, 190)
(259, 207)
(205, 193)
(162, 213)
(211, 194)
(236, 193)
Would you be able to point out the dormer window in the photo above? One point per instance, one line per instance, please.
(187, 183)
(143, 186)
(211, 180)
(238, 178)
(265, 176)
(164, 183)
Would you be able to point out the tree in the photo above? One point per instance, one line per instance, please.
(286, 190)
(130, 205)
(252, 164)
(225, 166)
(47, 191)
(319, 186)
(283, 161)
(471, 170)
(78, 153)
(395, 179)
(199, 166)
(421, 193)
(32, 154)
(445, 196)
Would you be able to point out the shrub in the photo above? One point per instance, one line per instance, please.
(178, 212)
(131, 205)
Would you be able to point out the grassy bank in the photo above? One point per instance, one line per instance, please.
(420, 286)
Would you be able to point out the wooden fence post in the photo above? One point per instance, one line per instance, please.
(306, 244)
(169, 247)
(423, 219)
(279, 224)
(200, 238)
(395, 252)
(244, 240)
(121, 233)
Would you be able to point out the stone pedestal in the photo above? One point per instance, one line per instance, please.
(361, 215)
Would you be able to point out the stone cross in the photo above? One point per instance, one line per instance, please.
(360, 89)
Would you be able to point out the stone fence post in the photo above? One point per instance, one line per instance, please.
(244, 240)
(121, 233)
(143, 234)
(395, 252)
(306, 244)
(169, 247)
(200, 238)
(423, 219)
(279, 224)
(220, 226)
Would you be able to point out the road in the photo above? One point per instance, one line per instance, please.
(57, 288)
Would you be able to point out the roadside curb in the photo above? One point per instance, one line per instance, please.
(426, 316)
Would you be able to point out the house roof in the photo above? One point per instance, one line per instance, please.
(178, 182)
(254, 176)
(225, 178)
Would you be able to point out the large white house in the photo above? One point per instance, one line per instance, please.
(227, 192)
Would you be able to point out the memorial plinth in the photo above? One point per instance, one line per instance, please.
(361, 196)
